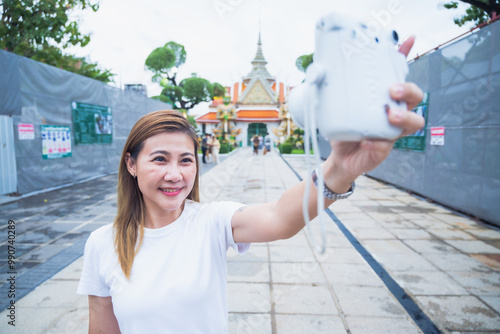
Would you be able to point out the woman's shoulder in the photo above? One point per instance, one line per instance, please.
(104, 233)
(209, 208)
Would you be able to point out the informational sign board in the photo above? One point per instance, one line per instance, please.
(416, 141)
(26, 131)
(92, 124)
(437, 135)
(56, 141)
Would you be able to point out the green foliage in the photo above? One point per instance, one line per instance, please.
(160, 61)
(172, 94)
(162, 98)
(286, 148)
(197, 90)
(298, 132)
(225, 148)
(164, 63)
(304, 61)
(40, 29)
(479, 12)
(179, 52)
(219, 90)
(193, 123)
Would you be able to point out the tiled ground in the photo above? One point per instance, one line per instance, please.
(447, 263)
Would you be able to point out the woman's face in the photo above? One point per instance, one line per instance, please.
(166, 170)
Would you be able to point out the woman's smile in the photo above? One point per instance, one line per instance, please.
(171, 191)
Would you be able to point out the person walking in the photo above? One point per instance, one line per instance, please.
(209, 149)
(161, 267)
(215, 150)
(255, 145)
(267, 144)
(204, 148)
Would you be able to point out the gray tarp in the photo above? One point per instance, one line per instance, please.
(39, 94)
(463, 81)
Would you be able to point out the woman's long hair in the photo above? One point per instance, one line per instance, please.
(129, 222)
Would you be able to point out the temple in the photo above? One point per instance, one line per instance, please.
(253, 106)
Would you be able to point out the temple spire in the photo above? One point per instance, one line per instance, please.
(259, 64)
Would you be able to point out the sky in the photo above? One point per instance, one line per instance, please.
(220, 36)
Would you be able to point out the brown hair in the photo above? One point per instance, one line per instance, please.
(129, 222)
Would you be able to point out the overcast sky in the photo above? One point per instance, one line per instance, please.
(220, 36)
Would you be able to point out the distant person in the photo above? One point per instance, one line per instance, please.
(255, 145)
(204, 148)
(215, 150)
(267, 144)
(209, 149)
(161, 267)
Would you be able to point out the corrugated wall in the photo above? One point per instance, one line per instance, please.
(463, 81)
(38, 94)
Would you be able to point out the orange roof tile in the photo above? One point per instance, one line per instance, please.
(210, 117)
(217, 101)
(269, 115)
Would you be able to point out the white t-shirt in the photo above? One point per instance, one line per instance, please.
(179, 276)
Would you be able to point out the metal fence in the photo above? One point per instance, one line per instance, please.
(463, 82)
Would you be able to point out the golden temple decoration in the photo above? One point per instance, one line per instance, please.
(286, 126)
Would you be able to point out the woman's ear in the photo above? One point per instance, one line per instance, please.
(129, 161)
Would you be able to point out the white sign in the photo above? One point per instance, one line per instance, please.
(437, 135)
(26, 131)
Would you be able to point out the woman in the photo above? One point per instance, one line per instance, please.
(215, 150)
(161, 267)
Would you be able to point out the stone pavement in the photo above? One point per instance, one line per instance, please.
(447, 265)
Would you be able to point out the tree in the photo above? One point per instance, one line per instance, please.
(304, 61)
(479, 12)
(219, 90)
(164, 62)
(40, 29)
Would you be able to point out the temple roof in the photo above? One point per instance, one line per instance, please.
(258, 91)
(243, 116)
(268, 115)
(209, 117)
(259, 66)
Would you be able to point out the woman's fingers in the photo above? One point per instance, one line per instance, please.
(407, 92)
(409, 121)
(407, 45)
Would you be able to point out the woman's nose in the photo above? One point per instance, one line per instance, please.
(172, 174)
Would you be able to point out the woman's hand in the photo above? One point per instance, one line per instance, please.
(351, 159)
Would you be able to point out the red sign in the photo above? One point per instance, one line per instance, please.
(26, 131)
(437, 135)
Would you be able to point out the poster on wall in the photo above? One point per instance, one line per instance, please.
(56, 141)
(416, 141)
(92, 124)
(437, 135)
(26, 131)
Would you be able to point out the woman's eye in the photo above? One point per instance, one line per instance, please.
(187, 160)
(160, 159)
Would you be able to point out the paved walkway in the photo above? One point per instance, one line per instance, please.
(447, 266)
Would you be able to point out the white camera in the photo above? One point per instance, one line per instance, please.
(347, 85)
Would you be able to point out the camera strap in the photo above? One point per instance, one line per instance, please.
(310, 134)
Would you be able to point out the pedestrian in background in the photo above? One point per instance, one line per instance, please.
(215, 150)
(204, 148)
(209, 150)
(255, 145)
(267, 144)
